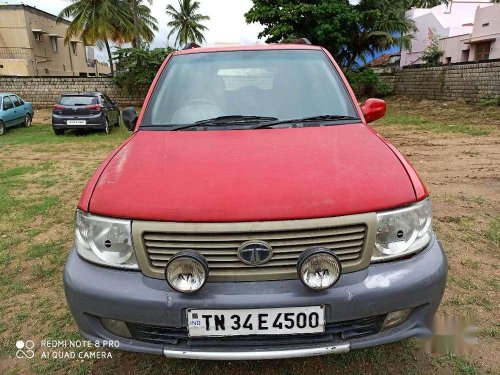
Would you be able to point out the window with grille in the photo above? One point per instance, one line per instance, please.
(483, 51)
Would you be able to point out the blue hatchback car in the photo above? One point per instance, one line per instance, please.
(14, 111)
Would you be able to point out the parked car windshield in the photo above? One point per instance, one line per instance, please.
(279, 84)
(77, 100)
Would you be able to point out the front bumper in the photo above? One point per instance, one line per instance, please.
(93, 291)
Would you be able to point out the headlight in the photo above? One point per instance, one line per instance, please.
(318, 268)
(105, 241)
(186, 271)
(403, 231)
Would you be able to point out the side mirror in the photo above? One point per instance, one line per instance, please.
(373, 109)
(129, 116)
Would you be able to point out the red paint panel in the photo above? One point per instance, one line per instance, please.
(83, 204)
(251, 175)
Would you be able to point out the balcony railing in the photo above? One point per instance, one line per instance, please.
(15, 53)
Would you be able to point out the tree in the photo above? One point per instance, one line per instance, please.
(348, 31)
(432, 54)
(136, 67)
(425, 3)
(186, 22)
(97, 22)
(138, 13)
(135, 12)
(146, 24)
(380, 25)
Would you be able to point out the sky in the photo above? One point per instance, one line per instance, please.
(227, 22)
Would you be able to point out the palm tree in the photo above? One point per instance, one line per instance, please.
(97, 22)
(146, 24)
(186, 22)
(381, 25)
(139, 16)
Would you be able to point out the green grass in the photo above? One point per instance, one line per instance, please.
(40, 249)
(490, 332)
(462, 366)
(470, 263)
(493, 102)
(41, 207)
(493, 232)
(43, 135)
(433, 126)
(463, 282)
(470, 152)
(22, 170)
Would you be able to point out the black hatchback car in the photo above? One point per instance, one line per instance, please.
(89, 110)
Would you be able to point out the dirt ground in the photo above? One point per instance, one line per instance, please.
(455, 148)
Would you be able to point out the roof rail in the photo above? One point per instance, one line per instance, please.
(303, 41)
(191, 45)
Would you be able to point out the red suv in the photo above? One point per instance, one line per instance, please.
(254, 214)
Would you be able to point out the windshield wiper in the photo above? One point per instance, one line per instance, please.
(306, 119)
(224, 120)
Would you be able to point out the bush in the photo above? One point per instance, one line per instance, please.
(490, 102)
(432, 54)
(137, 67)
(367, 83)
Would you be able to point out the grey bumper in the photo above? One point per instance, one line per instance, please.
(93, 291)
(95, 122)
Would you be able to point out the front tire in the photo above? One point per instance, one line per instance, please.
(59, 131)
(2, 128)
(28, 121)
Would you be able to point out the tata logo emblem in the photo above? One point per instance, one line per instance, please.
(255, 253)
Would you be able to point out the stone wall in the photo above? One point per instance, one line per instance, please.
(44, 91)
(471, 82)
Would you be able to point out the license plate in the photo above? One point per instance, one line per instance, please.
(273, 321)
(77, 122)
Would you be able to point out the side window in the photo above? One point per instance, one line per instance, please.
(20, 100)
(15, 101)
(7, 103)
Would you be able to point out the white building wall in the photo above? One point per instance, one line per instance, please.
(450, 20)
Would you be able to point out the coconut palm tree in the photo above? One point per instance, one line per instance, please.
(146, 24)
(186, 22)
(97, 22)
(379, 26)
(141, 13)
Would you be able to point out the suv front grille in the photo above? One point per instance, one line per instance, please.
(350, 237)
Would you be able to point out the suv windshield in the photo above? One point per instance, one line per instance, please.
(77, 100)
(270, 85)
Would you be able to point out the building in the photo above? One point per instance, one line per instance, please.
(482, 43)
(32, 44)
(385, 63)
(453, 24)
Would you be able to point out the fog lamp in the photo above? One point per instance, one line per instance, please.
(116, 327)
(318, 268)
(396, 318)
(186, 271)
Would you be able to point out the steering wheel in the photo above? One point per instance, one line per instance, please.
(202, 101)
